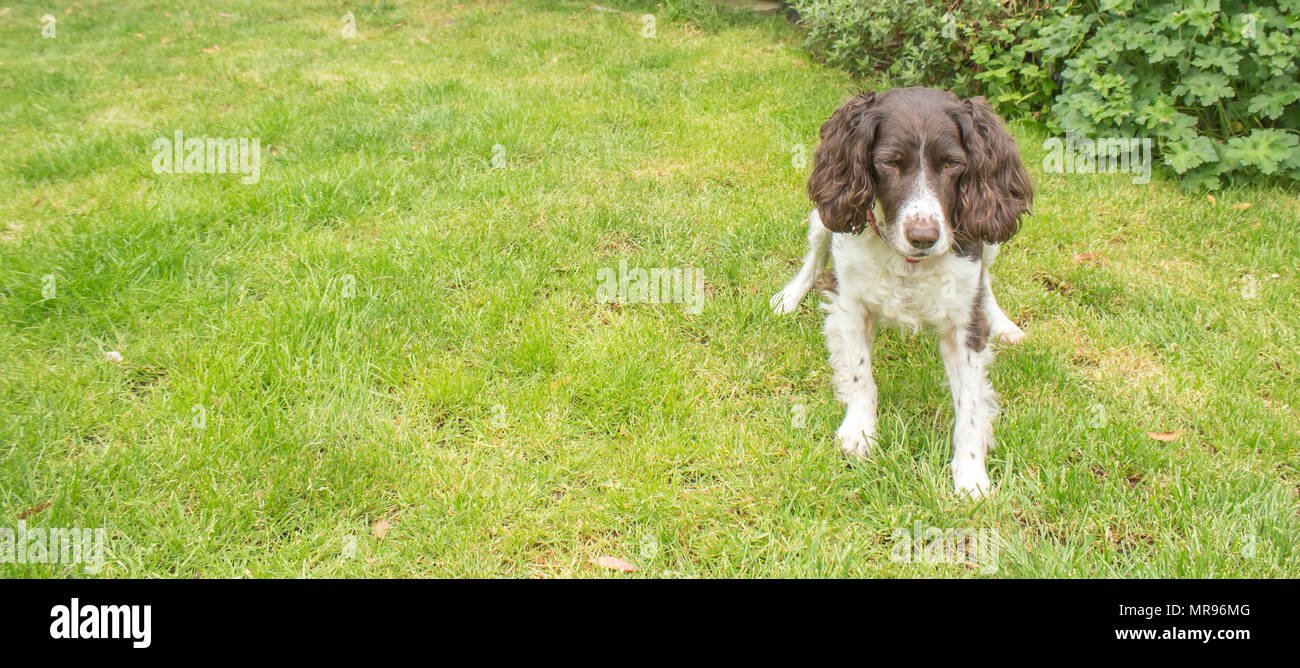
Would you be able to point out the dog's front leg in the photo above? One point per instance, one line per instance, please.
(849, 331)
(974, 407)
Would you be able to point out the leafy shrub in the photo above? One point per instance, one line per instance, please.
(1012, 72)
(1212, 81)
(906, 42)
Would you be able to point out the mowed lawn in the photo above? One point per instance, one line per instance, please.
(388, 356)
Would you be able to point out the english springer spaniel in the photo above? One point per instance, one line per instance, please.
(939, 184)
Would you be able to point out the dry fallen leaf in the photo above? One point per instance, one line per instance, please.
(214, 49)
(1210, 198)
(32, 511)
(1166, 436)
(1241, 206)
(381, 529)
(614, 564)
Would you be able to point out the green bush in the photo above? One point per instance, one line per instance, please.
(1212, 82)
(906, 42)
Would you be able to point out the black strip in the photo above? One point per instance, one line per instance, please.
(973, 618)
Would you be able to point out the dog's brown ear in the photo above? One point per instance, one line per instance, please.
(995, 190)
(841, 184)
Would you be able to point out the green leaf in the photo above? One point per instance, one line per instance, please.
(1155, 46)
(1200, 15)
(1273, 101)
(1154, 113)
(1168, 49)
(1201, 179)
(1189, 152)
(1061, 38)
(1224, 59)
(1120, 7)
(1203, 87)
(1264, 149)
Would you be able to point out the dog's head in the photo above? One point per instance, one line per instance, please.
(944, 170)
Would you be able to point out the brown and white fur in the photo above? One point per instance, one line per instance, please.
(915, 191)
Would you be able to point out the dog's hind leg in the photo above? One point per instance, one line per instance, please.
(1000, 326)
(814, 262)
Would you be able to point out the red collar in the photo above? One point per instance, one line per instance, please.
(871, 218)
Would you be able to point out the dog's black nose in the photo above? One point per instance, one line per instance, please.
(922, 236)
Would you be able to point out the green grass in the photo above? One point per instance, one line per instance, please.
(477, 396)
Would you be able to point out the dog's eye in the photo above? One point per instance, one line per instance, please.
(951, 164)
(892, 164)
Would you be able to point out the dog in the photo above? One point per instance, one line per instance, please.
(915, 191)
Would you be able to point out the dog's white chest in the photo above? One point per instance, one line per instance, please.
(911, 296)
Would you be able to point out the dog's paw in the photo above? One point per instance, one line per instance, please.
(970, 482)
(786, 301)
(855, 439)
(1007, 332)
